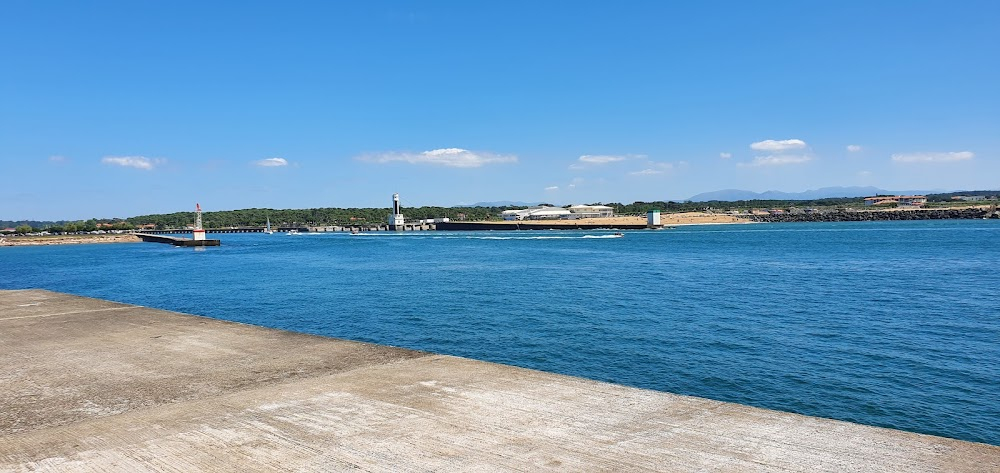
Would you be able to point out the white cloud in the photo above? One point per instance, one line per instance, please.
(777, 160)
(657, 168)
(451, 157)
(600, 159)
(138, 162)
(854, 148)
(725, 155)
(864, 173)
(933, 157)
(552, 188)
(778, 145)
(591, 160)
(57, 159)
(271, 162)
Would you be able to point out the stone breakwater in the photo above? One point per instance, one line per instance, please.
(861, 216)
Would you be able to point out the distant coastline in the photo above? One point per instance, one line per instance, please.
(618, 223)
(874, 215)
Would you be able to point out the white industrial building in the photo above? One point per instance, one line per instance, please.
(544, 212)
(591, 211)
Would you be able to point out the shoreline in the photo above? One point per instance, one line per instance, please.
(970, 213)
(607, 223)
(49, 240)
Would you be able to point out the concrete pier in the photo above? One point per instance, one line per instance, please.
(538, 225)
(92, 385)
(177, 241)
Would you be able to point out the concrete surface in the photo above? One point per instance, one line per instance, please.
(90, 385)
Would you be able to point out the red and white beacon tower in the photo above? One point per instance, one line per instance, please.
(198, 233)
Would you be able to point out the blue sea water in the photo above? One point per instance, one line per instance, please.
(895, 324)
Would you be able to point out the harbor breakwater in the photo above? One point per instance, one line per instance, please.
(534, 225)
(879, 215)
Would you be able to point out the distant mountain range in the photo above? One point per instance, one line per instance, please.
(823, 193)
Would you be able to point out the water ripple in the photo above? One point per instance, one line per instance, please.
(893, 324)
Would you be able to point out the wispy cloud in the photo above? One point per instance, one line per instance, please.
(138, 162)
(946, 157)
(600, 159)
(592, 160)
(552, 188)
(57, 159)
(725, 155)
(777, 160)
(271, 162)
(778, 145)
(451, 157)
(654, 167)
(853, 148)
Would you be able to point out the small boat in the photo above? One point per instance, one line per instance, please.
(355, 232)
(267, 229)
(293, 232)
(618, 234)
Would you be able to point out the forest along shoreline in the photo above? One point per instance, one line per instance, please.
(667, 219)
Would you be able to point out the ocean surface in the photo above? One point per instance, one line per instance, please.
(894, 324)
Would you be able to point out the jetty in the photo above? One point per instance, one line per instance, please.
(176, 241)
(538, 225)
(95, 385)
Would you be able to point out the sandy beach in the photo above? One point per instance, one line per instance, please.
(66, 240)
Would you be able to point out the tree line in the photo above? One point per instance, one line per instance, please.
(65, 226)
(311, 217)
(377, 216)
(946, 197)
(640, 208)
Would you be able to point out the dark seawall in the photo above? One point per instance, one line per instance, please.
(473, 226)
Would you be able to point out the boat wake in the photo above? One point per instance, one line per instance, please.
(425, 235)
(541, 237)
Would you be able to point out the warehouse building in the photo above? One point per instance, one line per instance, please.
(545, 212)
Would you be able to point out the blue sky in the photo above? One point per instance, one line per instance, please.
(115, 109)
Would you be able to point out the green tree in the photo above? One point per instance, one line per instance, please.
(22, 229)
